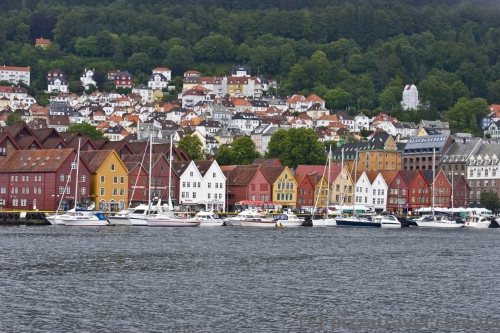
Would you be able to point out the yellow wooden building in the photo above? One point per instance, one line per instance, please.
(283, 185)
(109, 179)
(342, 187)
(322, 188)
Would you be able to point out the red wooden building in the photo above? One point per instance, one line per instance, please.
(305, 190)
(397, 191)
(246, 182)
(139, 179)
(41, 179)
(124, 79)
(419, 192)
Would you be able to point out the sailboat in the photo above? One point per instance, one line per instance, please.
(432, 221)
(135, 215)
(168, 218)
(354, 221)
(83, 217)
(327, 221)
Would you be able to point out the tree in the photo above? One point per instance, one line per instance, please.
(13, 118)
(138, 61)
(192, 146)
(296, 146)
(336, 98)
(178, 59)
(242, 151)
(86, 129)
(215, 48)
(490, 200)
(330, 144)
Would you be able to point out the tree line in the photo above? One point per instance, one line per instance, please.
(357, 55)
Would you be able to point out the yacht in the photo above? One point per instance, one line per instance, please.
(87, 218)
(477, 221)
(433, 222)
(208, 219)
(287, 220)
(168, 219)
(250, 218)
(387, 221)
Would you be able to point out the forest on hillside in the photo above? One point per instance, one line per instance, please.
(357, 55)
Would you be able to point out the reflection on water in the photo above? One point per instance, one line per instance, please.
(235, 279)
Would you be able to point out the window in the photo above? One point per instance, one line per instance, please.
(216, 176)
(61, 189)
(115, 180)
(102, 179)
(15, 202)
(188, 184)
(208, 195)
(122, 180)
(73, 165)
(83, 190)
(191, 174)
(61, 177)
(199, 184)
(112, 167)
(67, 190)
(115, 191)
(68, 178)
(122, 192)
(102, 191)
(209, 185)
(83, 179)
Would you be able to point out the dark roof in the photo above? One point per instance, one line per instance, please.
(95, 159)
(272, 173)
(203, 166)
(267, 161)
(46, 160)
(241, 175)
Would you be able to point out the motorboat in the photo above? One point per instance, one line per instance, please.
(287, 220)
(140, 214)
(250, 218)
(433, 222)
(358, 222)
(208, 219)
(56, 219)
(121, 218)
(87, 218)
(169, 219)
(478, 222)
(387, 221)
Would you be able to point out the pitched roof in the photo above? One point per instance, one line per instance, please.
(272, 173)
(240, 175)
(95, 159)
(46, 160)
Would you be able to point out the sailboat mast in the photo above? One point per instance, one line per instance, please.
(77, 169)
(149, 171)
(341, 184)
(170, 176)
(328, 180)
(355, 181)
(433, 176)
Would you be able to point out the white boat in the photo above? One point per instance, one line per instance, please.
(121, 218)
(477, 221)
(166, 219)
(56, 219)
(86, 218)
(287, 220)
(387, 221)
(433, 222)
(324, 222)
(208, 219)
(250, 218)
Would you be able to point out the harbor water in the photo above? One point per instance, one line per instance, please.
(233, 279)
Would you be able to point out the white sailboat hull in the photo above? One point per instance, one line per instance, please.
(171, 223)
(210, 223)
(437, 224)
(119, 220)
(290, 224)
(85, 223)
(261, 223)
(233, 222)
(138, 221)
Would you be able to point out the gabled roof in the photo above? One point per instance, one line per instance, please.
(319, 170)
(272, 173)
(46, 160)
(95, 159)
(241, 175)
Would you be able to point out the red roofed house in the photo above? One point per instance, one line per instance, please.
(42, 179)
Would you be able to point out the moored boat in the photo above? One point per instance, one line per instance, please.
(288, 220)
(208, 219)
(387, 221)
(357, 222)
(433, 222)
(86, 218)
(170, 220)
(478, 222)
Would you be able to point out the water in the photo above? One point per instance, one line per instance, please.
(232, 279)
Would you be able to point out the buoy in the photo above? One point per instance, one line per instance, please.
(279, 225)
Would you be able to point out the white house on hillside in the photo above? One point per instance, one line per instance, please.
(410, 97)
(87, 78)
